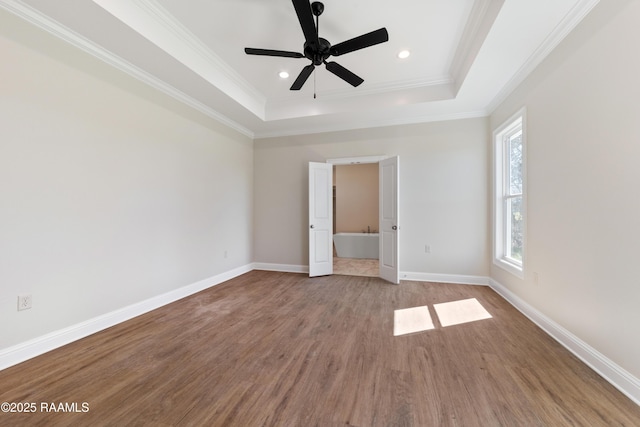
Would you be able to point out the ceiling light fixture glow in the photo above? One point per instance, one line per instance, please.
(403, 54)
(283, 75)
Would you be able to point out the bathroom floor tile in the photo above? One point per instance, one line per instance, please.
(356, 267)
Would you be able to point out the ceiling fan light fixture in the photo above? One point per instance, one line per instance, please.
(283, 75)
(404, 54)
(317, 49)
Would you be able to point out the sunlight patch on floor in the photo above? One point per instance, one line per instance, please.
(463, 311)
(410, 320)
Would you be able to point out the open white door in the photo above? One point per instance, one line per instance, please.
(320, 219)
(388, 172)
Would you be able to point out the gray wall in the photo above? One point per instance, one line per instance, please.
(110, 193)
(443, 192)
(583, 204)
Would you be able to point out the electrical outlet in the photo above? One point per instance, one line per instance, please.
(24, 302)
(535, 278)
(427, 249)
(226, 254)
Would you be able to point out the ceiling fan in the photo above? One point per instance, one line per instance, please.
(318, 50)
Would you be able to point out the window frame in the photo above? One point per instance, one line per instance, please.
(502, 194)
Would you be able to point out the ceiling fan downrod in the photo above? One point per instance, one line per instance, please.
(317, 8)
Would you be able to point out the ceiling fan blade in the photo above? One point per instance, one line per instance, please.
(360, 42)
(344, 74)
(271, 52)
(302, 77)
(305, 16)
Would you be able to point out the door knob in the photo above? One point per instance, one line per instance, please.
(311, 225)
(394, 227)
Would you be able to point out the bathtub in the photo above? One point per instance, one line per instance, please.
(356, 245)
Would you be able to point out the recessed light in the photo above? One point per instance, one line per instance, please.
(403, 54)
(283, 75)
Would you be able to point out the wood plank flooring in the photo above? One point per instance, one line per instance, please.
(279, 349)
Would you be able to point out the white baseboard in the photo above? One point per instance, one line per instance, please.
(284, 268)
(405, 275)
(445, 278)
(610, 371)
(37, 346)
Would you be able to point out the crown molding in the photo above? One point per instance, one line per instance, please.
(481, 18)
(372, 123)
(355, 93)
(194, 45)
(151, 21)
(568, 23)
(383, 88)
(58, 30)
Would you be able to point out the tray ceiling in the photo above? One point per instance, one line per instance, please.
(466, 55)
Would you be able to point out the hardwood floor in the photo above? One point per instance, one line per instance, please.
(280, 349)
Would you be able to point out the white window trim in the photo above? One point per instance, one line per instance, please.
(499, 170)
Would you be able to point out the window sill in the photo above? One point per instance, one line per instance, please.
(516, 270)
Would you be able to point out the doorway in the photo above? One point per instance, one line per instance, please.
(356, 219)
(321, 216)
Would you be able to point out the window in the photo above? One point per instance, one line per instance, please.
(509, 195)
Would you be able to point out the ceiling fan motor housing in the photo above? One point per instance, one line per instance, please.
(317, 54)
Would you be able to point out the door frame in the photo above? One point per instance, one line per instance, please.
(357, 160)
(362, 160)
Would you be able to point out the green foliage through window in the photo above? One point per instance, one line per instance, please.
(515, 226)
(510, 213)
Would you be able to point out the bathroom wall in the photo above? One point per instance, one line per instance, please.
(356, 197)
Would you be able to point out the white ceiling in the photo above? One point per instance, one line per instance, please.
(466, 55)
